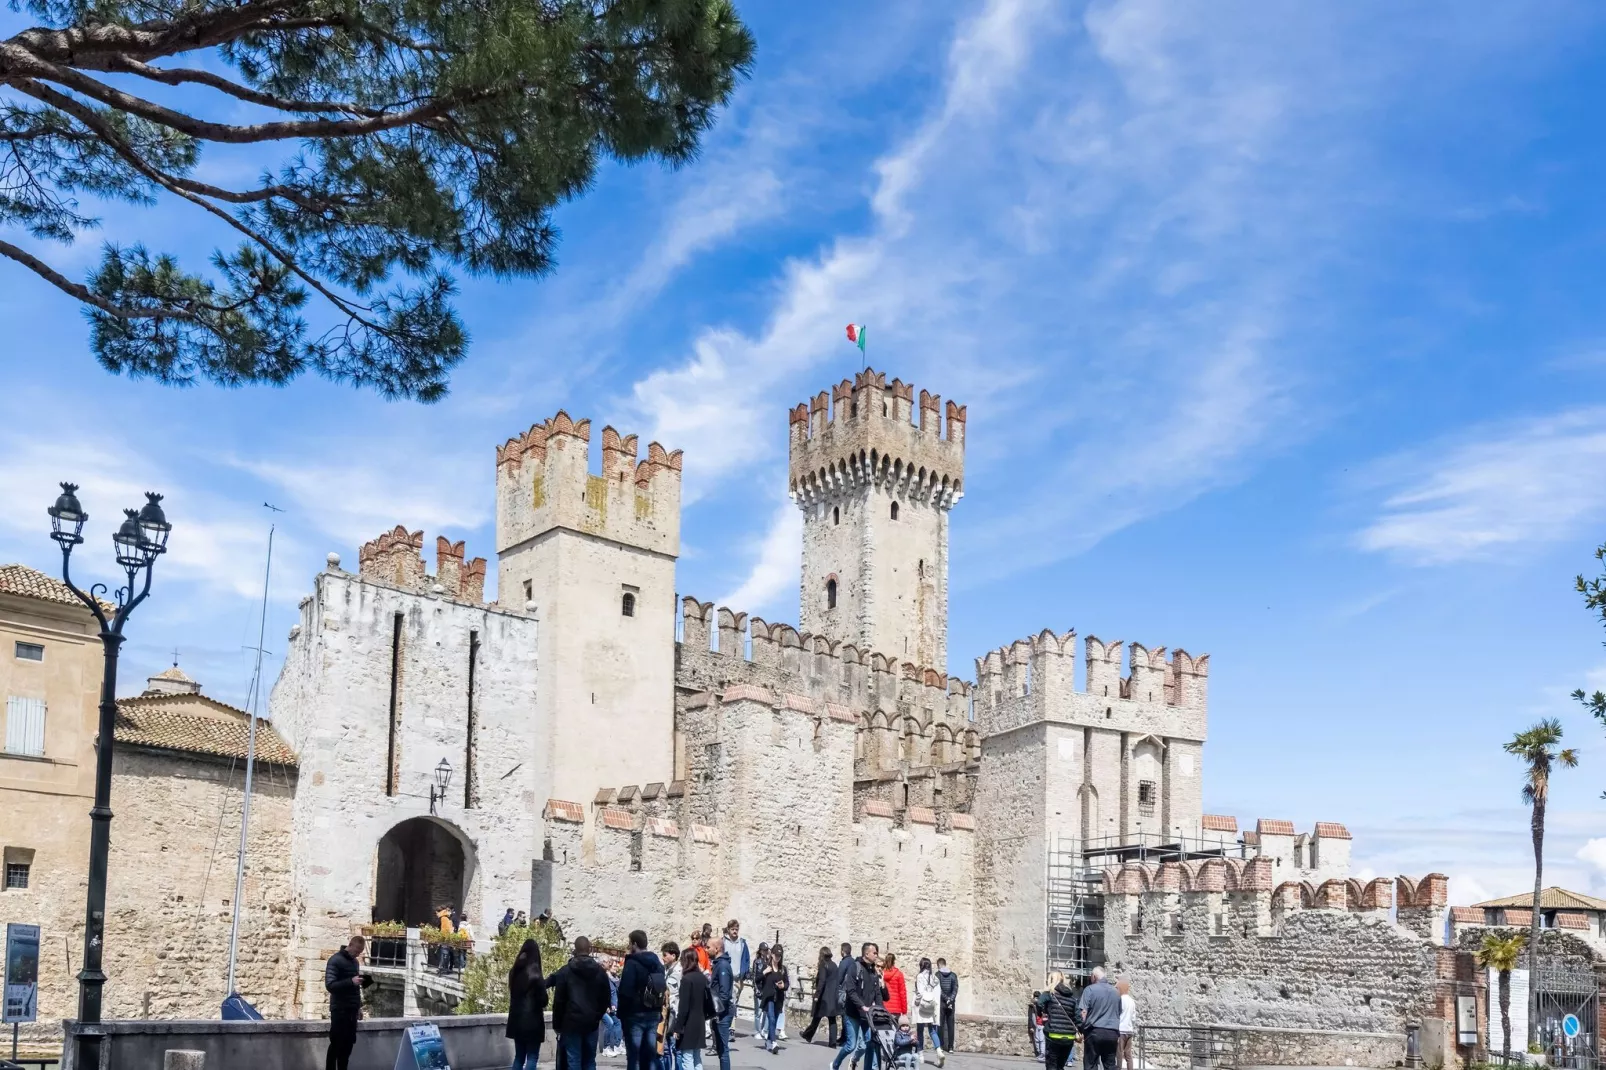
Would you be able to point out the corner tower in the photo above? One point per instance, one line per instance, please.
(875, 488)
(595, 556)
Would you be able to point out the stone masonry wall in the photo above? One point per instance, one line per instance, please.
(170, 886)
(332, 703)
(1217, 944)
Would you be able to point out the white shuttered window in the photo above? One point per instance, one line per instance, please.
(25, 725)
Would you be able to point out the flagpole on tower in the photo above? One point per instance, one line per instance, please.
(856, 336)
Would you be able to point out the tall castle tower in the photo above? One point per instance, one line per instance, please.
(875, 489)
(595, 554)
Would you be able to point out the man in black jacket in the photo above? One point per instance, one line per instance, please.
(949, 982)
(862, 993)
(641, 1002)
(344, 980)
(580, 998)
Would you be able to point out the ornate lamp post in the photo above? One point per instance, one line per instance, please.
(139, 541)
(443, 780)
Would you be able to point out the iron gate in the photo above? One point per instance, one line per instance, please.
(1569, 993)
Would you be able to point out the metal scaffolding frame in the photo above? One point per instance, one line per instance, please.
(1075, 889)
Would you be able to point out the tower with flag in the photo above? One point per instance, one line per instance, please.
(856, 335)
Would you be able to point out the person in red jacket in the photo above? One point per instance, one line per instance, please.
(897, 990)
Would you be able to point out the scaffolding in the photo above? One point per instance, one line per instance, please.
(1075, 887)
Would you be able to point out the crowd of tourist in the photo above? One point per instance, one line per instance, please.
(664, 1010)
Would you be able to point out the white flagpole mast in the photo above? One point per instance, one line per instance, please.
(250, 765)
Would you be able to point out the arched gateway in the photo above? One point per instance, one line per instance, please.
(421, 865)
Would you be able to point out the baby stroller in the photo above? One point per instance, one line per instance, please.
(894, 1046)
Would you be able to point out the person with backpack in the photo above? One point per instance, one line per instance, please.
(928, 1009)
(722, 988)
(1062, 1021)
(642, 987)
(950, 1003)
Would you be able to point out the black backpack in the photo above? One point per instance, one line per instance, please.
(653, 992)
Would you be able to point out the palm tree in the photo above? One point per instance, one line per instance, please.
(1501, 954)
(1537, 749)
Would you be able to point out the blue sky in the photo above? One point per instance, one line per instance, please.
(1280, 332)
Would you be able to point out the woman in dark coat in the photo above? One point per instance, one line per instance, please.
(826, 1006)
(526, 1022)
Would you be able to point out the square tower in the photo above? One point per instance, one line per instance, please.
(595, 554)
(875, 489)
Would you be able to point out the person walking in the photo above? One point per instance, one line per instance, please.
(579, 1000)
(1129, 1022)
(506, 923)
(613, 1034)
(772, 987)
(722, 988)
(753, 981)
(862, 995)
(1062, 1022)
(526, 1006)
(693, 1013)
(826, 1003)
(897, 988)
(1100, 1008)
(344, 980)
(928, 1010)
(950, 1003)
(670, 953)
(641, 1002)
(736, 948)
(460, 956)
(791, 981)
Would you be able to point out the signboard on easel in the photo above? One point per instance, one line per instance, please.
(422, 1049)
(22, 973)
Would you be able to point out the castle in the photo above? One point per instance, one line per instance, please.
(561, 747)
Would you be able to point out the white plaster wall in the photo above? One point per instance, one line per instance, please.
(332, 701)
(607, 700)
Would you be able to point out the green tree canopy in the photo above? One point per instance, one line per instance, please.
(414, 136)
(485, 978)
(1594, 592)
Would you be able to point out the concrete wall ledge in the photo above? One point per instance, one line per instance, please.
(473, 1042)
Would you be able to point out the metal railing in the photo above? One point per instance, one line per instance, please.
(1196, 1047)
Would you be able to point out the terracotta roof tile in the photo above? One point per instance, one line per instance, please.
(1551, 898)
(1218, 823)
(153, 723)
(31, 583)
(1274, 826)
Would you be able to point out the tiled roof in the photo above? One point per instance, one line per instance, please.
(175, 673)
(1218, 823)
(31, 583)
(154, 722)
(1274, 826)
(1332, 830)
(1549, 899)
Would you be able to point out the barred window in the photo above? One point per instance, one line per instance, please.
(1146, 796)
(16, 875)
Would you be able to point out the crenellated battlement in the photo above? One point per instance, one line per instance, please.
(1035, 679)
(396, 558)
(779, 657)
(863, 433)
(544, 481)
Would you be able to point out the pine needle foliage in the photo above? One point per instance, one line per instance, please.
(412, 137)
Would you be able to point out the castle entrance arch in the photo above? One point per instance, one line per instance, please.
(421, 865)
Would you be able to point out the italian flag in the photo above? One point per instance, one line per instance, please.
(856, 335)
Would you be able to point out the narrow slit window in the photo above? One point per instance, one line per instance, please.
(627, 605)
(830, 594)
(470, 786)
(836, 517)
(395, 704)
(529, 590)
(894, 510)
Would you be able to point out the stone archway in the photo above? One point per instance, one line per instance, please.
(421, 865)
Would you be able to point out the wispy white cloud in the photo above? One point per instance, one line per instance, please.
(1492, 489)
(776, 562)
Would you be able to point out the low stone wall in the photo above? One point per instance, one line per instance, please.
(473, 1042)
(1266, 1046)
(989, 1034)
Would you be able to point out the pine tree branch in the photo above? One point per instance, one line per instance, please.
(87, 46)
(182, 75)
(82, 292)
(87, 116)
(16, 63)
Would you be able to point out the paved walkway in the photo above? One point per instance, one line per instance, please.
(746, 1054)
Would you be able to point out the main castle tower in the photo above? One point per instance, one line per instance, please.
(875, 488)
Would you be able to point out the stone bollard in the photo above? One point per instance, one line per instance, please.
(177, 1059)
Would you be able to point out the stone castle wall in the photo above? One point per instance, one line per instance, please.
(170, 886)
(358, 643)
(1217, 943)
(763, 829)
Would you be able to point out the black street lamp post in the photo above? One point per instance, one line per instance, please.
(139, 541)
